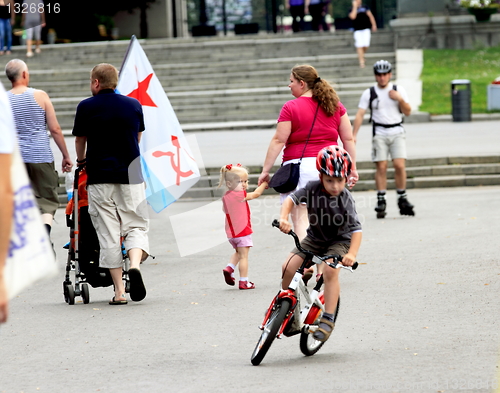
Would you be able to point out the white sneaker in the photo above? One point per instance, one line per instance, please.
(29, 54)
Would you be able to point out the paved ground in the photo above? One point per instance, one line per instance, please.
(420, 314)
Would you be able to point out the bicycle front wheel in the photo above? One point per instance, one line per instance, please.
(308, 345)
(271, 329)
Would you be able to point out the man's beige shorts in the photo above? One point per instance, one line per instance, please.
(385, 146)
(118, 210)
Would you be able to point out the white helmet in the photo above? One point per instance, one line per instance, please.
(382, 67)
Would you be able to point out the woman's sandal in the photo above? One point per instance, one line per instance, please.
(325, 334)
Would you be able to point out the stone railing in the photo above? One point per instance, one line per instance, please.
(445, 32)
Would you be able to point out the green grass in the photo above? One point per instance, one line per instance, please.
(441, 66)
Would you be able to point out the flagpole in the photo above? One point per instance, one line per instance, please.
(126, 53)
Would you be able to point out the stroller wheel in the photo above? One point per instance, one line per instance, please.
(69, 294)
(85, 293)
(127, 286)
(65, 290)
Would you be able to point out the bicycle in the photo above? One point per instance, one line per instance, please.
(295, 310)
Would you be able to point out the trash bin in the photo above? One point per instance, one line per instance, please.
(460, 100)
(494, 96)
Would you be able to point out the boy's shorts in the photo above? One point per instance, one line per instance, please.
(393, 145)
(310, 245)
(244, 241)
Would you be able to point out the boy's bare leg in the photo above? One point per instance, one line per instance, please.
(289, 268)
(332, 289)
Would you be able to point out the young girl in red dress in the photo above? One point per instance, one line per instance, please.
(238, 224)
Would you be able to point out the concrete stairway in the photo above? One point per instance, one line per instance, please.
(422, 173)
(214, 80)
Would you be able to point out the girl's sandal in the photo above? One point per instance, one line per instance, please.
(325, 335)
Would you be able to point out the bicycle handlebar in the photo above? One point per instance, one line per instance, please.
(337, 258)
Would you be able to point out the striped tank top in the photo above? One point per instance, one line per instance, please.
(29, 118)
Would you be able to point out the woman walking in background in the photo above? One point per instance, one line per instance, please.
(363, 23)
(315, 102)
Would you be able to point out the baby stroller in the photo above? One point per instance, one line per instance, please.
(83, 247)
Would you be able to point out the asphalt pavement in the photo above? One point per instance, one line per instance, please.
(420, 313)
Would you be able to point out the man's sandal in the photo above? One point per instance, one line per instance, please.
(322, 334)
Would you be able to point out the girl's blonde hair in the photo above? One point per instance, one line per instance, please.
(322, 91)
(230, 172)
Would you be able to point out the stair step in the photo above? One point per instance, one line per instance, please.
(422, 173)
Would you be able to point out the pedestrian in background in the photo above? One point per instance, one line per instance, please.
(318, 10)
(108, 129)
(33, 112)
(314, 119)
(7, 20)
(33, 20)
(297, 11)
(238, 225)
(363, 23)
(7, 142)
(388, 103)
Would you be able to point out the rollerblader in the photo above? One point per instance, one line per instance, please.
(387, 103)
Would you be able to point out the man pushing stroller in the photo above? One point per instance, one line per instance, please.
(108, 128)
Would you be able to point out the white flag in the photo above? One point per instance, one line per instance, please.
(168, 165)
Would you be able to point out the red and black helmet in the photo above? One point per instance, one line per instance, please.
(334, 161)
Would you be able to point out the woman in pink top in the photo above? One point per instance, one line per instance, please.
(294, 123)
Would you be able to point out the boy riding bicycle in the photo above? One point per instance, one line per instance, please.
(334, 227)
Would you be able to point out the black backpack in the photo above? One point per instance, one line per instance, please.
(374, 95)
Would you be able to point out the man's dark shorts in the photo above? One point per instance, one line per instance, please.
(44, 181)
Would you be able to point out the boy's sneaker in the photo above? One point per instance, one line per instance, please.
(228, 271)
(247, 285)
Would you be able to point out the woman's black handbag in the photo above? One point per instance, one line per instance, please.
(286, 178)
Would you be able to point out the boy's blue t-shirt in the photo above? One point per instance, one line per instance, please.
(331, 219)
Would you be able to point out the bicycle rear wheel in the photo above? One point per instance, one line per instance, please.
(308, 345)
(270, 331)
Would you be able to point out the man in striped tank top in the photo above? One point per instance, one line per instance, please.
(33, 113)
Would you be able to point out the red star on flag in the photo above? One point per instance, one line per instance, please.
(141, 93)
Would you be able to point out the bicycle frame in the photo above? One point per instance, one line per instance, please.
(306, 306)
